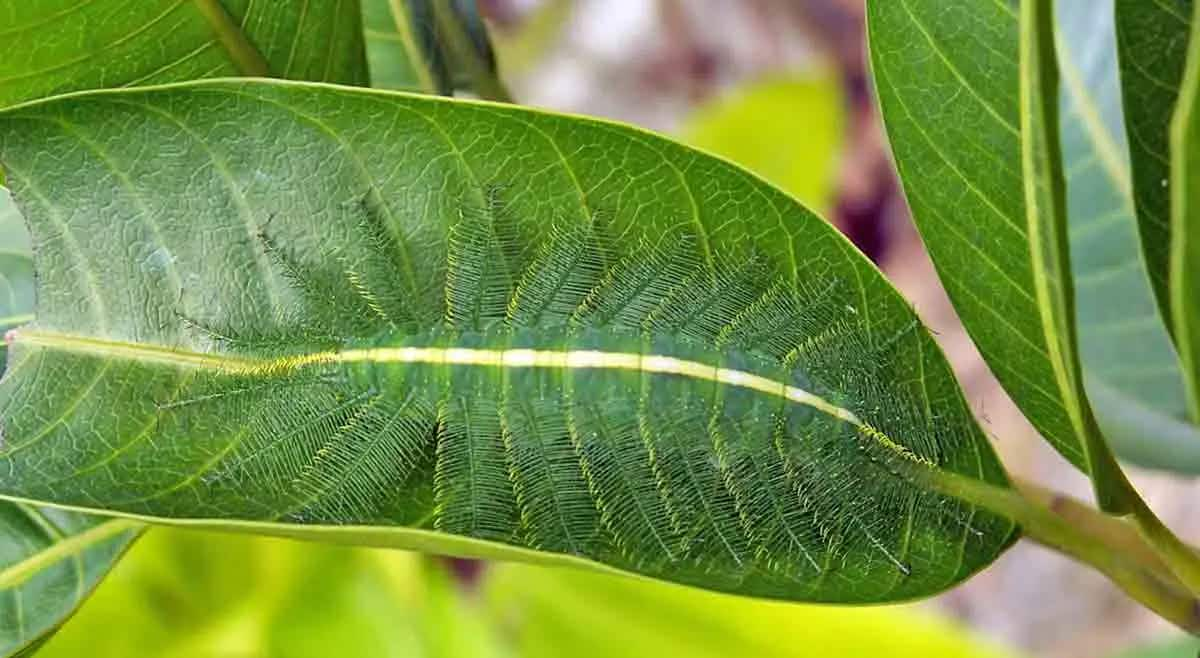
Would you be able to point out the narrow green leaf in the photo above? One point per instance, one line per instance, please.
(1185, 222)
(951, 90)
(58, 46)
(378, 325)
(49, 563)
(1131, 371)
(462, 31)
(1152, 43)
(432, 46)
(1046, 214)
(395, 53)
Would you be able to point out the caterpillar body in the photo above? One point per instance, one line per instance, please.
(693, 421)
(394, 354)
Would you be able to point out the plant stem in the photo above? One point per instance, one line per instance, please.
(1120, 533)
(243, 53)
(1106, 543)
(1182, 559)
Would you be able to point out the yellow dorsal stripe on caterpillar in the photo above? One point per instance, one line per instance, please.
(462, 356)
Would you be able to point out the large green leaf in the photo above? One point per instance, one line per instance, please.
(52, 47)
(948, 79)
(57, 46)
(16, 270)
(1130, 366)
(1152, 42)
(49, 559)
(476, 330)
(1185, 222)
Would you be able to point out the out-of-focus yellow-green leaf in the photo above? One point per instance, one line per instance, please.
(557, 612)
(521, 47)
(182, 594)
(787, 130)
(185, 594)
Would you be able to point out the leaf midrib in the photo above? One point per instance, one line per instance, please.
(1106, 147)
(233, 39)
(20, 572)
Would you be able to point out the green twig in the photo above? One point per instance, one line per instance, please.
(1106, 543)
(245, 56)
(1182, 559)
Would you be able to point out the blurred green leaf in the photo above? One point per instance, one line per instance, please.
(1152, 40)
(789, 131)
(16, 271)
(185, 594)
(432, 46)
(14, 237)
(555, 612)
(1131, 371)
(396, 49)
(522, 46)
(1184, 647)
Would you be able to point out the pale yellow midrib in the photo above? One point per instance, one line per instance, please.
(22, 571)
(1106, 148)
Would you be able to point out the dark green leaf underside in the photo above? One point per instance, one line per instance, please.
(330, 221)
(59, 46)
(947, 78)
(1130, 366)
(1185, 224)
